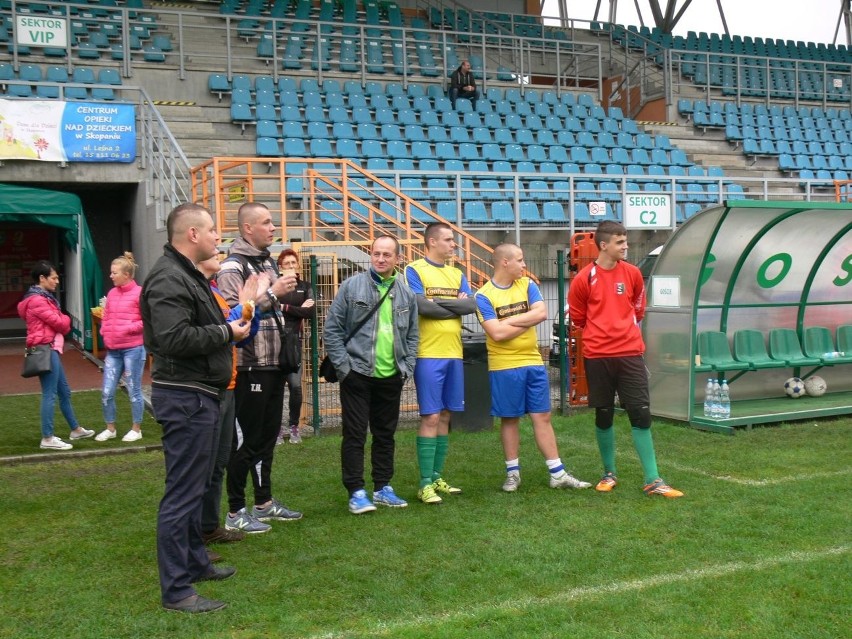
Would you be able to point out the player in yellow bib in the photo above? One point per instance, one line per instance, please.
(509, 307)
(443, 296)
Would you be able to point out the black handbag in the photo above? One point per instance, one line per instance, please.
(326, 369)
(290, 357)
(36, 361)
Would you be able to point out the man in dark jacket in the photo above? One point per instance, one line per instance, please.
(190, 342)
(462, 85)
(259, 393)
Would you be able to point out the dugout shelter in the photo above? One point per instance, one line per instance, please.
(755, 293)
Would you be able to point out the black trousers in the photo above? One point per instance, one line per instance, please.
(189, 422)
(212, 500)
(369, 402)
(259, 404)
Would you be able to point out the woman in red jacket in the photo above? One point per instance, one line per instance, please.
(47, 324)
(121, 328)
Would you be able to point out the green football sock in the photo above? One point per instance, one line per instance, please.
(442, 444)
(426, 459)
(645, 449)
(606, 446)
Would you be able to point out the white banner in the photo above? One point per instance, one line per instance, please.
(31, 130)
(56, 131)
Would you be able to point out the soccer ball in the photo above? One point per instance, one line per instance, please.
(815, 386)
(794, 387)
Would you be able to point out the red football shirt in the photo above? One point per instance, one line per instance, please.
(608, 304)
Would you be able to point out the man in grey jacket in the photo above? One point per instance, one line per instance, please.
(259, 392)
(372, 365)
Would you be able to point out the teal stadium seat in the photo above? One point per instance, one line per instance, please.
(715, 353)
(819, 343)
(784, 345)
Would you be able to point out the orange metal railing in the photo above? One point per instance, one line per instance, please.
(323, 201)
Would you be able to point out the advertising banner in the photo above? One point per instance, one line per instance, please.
(57, 131)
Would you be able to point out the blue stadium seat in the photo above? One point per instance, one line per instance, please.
(267, 147)
(439, 189)
(490, 190)
(447, 210)
(538, 190)
(295, 148)
(396, 149)
(502, 212)
(529, 213)
(267, 129)
(347, 149)
(581, 212)
(585, 191)
(474, 212)
(553, 212)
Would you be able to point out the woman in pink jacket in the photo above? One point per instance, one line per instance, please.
(121, 329)
(47, 324)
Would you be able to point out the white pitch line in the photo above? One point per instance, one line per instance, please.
(737, 480)
(589, 592)
(760, 482)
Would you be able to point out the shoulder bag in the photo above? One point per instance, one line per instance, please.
(36, 361)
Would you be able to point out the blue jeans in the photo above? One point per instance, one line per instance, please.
(129, 362)
(52, 384)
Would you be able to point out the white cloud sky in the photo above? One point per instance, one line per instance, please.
(814, 20)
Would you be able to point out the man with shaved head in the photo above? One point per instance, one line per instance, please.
(510, 306)
(259, 392)
(190, 342)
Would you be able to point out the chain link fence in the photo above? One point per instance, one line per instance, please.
(326, 271)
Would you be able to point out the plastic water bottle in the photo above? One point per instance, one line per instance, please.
(708, 399)
(724, 400)
(716, 408)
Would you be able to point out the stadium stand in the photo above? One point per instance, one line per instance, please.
(286, 84)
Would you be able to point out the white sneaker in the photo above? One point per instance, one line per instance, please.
(104, 435)
(513, 480)
(54, 443)
(568, 481)
(82, 433)
(132, 436)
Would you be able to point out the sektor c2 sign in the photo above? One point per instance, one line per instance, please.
(647, 211)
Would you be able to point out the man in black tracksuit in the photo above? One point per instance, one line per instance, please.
(259, 391)
(186, 333)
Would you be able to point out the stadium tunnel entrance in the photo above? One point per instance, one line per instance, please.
(752, 276)
(79, 227)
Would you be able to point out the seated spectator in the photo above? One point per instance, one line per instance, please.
(462, 85)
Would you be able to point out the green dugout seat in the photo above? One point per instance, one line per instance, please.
(819, 343)
(844, 338)
(784, 345)
(715, 352)
(750, 347)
